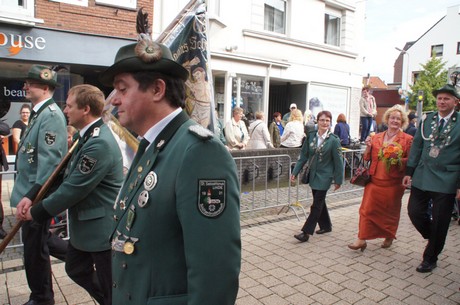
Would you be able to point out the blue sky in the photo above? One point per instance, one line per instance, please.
(392, 23)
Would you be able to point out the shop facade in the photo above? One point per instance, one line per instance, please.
(82, 57)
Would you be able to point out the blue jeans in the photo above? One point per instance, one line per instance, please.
(366, 122)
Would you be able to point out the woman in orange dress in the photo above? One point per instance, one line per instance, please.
(381, 205)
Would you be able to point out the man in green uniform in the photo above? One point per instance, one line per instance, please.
(177, 237)
(434, 167)
(91, 183)
(40, 150)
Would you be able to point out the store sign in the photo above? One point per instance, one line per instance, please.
(15, 43)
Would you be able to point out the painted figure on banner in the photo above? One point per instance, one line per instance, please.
(198, 92)
(186, 37)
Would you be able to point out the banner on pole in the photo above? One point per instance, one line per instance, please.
(187, 39)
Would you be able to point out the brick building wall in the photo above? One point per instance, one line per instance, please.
(94, 19)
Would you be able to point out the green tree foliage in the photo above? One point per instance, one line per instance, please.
(432, 76)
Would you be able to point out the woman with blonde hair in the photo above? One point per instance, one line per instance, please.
(381, 204)
(294, 132)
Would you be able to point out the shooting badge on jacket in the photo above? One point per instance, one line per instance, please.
(150, 181)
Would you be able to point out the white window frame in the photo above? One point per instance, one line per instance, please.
(213, 8)
(438, 49)
(27, 9)
(276, 5)
(328, 38)
(126, 4)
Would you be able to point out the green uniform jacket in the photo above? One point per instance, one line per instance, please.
(40, 150)
(440, 174)
(327, 165)
(180, 209)
(92, 180)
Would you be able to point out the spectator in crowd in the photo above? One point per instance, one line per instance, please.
(309, 121)
(236, 132)
(20, 125)
(259, 138)
(411, 128)
(323, 153)
(381, 204)
(342, 130)
(368, 111)
(276, 129)
(433, 173)
(294, 131)
(287, 116)
(71, 134)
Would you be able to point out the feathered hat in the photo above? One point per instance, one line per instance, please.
(145, 55)
(44, 75)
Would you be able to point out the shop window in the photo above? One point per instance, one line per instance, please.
(436, 50)
(275, 16)
(17, 8)
(332, 29)
(247, 93)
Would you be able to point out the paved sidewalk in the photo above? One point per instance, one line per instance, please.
(277, 270)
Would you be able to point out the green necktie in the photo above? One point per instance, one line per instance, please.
(140, 151)
(441, 125)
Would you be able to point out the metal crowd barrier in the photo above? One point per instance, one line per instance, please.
(264, 183)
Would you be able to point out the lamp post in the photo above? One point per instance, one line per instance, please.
(406, 83)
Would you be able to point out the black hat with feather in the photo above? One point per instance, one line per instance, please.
(145, 55)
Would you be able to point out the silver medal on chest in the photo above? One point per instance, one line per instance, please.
(434, 152)
(143, 198)
(150, 181)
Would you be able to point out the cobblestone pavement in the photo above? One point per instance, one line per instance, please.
(277, 270)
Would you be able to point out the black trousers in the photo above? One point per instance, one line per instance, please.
(92, 271)
(435, 229)
(37, 261)
(318, 214)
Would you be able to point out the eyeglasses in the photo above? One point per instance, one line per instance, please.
(324, 120)
(25, 113)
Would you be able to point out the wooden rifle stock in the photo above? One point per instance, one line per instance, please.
(41, 193)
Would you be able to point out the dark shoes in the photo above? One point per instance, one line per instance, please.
(322, 231)
(302, 237)
(33, 302)
(2, 233)
(425, 267)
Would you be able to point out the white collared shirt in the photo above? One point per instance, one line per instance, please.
(155, 130)
(84, 129)
(39, 105)
(321, 138)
